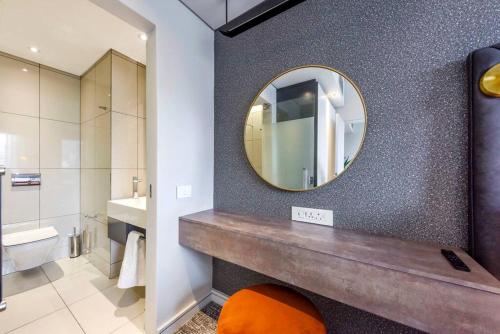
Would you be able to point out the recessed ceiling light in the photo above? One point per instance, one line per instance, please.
(24, 70)
(34, 49)
(143, 36)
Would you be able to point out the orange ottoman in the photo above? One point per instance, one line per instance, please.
(269, 309)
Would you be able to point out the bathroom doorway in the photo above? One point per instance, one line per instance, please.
(73, 123)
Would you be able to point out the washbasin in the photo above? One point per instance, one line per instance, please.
(129, 210)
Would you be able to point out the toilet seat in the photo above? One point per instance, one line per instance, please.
(25, 237)
(30, 249)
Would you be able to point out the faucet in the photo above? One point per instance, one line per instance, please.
(135, 184)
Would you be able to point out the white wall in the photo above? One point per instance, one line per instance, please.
(352, 110)
(180, 130)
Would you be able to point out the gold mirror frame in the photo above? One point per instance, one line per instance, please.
(490, 81)
(360, 147)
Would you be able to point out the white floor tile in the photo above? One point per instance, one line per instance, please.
(107, 311)
(82, 284)
(60, 322)
(135, 326)
(58, 269)
(28, 306)
(22, 281)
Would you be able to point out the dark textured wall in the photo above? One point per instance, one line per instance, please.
(408, 58)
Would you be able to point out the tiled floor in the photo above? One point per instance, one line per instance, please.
(69, 296)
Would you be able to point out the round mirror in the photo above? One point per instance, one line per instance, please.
(305, 128)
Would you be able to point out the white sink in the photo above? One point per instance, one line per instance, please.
(129, 210)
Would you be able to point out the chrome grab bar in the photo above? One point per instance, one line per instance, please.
(32, 179)
(3, 304)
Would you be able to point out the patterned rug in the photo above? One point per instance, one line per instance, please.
(203, 322)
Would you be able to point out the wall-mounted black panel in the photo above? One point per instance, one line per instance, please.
(258, 14)
(484, 163)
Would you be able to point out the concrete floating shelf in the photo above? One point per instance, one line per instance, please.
(407, 282)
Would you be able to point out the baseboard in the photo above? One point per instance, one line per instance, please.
(185, 315)
(218, 297)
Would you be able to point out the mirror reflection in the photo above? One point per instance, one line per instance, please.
(305, 128)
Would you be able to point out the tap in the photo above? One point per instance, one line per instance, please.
(135, 185)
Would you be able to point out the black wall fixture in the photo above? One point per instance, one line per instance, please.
(484, 163)
(256, 15)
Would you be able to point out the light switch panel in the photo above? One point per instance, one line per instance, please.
(313, 216)
(184, 191)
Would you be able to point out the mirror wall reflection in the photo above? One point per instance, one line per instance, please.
(305, 128)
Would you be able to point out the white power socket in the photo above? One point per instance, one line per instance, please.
(184, 191)
(313, 216)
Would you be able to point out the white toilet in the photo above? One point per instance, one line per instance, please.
(29, 249)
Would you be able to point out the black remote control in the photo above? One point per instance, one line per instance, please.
(454, 260)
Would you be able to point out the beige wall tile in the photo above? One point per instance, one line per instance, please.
(143, 185)
(19, 141)
(87, 144)
(59, 144)
(64, 226)
(103, 86)
(19, 204)
(88, 192)
(124, 88)
(141, 91)
(124, 141)
(141, 139)
(59, 96)
(20, 227)
(103, 141)
(102, 193)
(59, 192)
(121, 183)
(19, 92)
(88, 103)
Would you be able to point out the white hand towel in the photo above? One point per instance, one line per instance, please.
(133, 268)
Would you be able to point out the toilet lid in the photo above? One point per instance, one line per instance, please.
(25, 237)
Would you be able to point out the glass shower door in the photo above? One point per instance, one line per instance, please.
(3, 305)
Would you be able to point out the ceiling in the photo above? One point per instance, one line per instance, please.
(213, 12)
(71, 35)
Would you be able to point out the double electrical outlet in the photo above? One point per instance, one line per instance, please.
(312, 216)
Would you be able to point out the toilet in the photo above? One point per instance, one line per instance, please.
(29, 249)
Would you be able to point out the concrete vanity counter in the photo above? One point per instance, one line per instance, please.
(405, 281)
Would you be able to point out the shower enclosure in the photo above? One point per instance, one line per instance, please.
(3, 305)
(113, 123)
